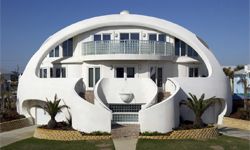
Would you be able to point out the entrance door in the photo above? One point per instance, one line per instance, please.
(94, 76)
(156, 74)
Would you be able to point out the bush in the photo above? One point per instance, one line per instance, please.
(154, 133)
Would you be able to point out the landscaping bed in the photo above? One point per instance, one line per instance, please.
(203, 133)
(68, 135)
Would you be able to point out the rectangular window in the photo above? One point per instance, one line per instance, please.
(106, 37)
(51, 72)
(119, 72)
(134, 36)
(45, 73)
(130, 72)
(65, 48)
(124, 36)
(159, 77)
(58, 72)
(153, 73)
(183, 48)
(41, 73)
(177, 47)
(57, 51)
(51, 53)
(190, 51)
(196, 72)
(152, 37)
(94, 76)
(63, 72)
(193, 72)
(91, 79)
(162, 37)
(97, 75)
(68, 47)
(97, 37)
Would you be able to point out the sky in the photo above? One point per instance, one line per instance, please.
(26, 24)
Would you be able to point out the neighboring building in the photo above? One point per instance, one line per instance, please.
(123, 68)
(239, 86)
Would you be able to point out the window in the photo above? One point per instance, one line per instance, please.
(43, 73)
(130, 72)
(94, 76)
(193, 72)
(177, 47)
(97, 37)
(152, 37)
(54, 52)
(91, 74)
(63, 72)
(162, 37)
(97, 74)
(119, 72)
(159, 77)
(183, 48)
(57, 51)
(156, 75)
(134, 36)
(51, 72)
(51, 54)
(68, 47)
(60, 72)
(106, 37)
(192, 52)
(124, 36)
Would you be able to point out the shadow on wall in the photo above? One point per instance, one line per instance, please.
(210, 116)
(80, 88)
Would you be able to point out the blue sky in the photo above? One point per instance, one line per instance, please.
(25, 24)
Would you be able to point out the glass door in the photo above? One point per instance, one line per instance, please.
(156, 74)
(93, 76)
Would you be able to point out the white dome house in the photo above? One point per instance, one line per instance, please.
(123, 68)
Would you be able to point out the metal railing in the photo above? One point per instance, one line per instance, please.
(128, 47)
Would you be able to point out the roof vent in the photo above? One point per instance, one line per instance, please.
(124, 12)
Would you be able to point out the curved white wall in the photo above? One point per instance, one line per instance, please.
(164, 116)
(143, 89)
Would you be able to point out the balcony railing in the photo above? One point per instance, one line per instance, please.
(128, 47)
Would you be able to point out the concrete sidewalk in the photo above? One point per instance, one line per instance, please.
(125, 143)
(244, 134)
(9, 137)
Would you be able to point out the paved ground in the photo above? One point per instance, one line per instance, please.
(125, 136)
(244, 134)
(16, 135)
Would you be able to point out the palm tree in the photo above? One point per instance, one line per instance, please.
(230, 73)
(199, 106)
(243, 81)
(52, 107)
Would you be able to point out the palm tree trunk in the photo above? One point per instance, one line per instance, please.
(198, 121)
(52, 123)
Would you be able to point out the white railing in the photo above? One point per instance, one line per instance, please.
(128, 47)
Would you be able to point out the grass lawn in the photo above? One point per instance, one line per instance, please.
(38, 144)
(220, 143)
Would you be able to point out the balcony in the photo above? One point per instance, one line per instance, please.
(136, 47)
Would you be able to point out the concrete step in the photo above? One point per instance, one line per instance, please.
(89, 96)
(163, 95)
